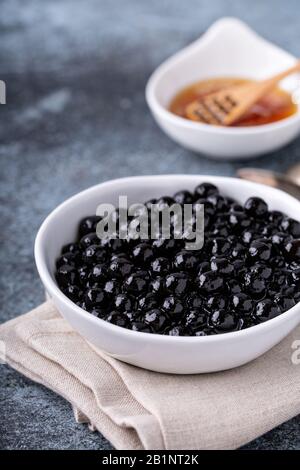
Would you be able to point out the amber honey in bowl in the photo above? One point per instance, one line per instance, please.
(276, 105)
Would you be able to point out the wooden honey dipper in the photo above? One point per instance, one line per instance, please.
(224, 107)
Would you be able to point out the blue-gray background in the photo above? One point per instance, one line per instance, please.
(75, 116)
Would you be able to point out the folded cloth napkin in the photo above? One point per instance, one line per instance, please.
(138, 409)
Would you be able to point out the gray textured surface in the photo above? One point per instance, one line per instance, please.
(76, 115)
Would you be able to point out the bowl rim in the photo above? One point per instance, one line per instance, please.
(158, 74)
(54, 291)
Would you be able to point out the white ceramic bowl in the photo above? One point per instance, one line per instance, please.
(181, 355)
(228, 48)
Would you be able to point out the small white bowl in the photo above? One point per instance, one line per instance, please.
(180, 355)
(229, 48)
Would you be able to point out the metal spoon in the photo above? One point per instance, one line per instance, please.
(294, 173)
(288, 182)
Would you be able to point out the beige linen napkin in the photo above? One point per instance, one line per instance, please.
(138, 409)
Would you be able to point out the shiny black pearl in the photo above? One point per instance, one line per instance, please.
(210, 281)
(155, 318)
(223, 321)
(205, 190)
(291, 226)
(83, 274)
(277, 262)
(238, 250)
(81, 303)
(222, 266)
(151, 202)
(262, 270)
(142, 253)
(279, 238)
(230, 201)
(233, 286)
(292, 250)
(68, 258)
(195, 320)
(89, 239)
(132, 316)
(284, 303)
(144, 327)
(175, 331)
(96, 297)
(70, 248)
(164, 202)
(260, 251)
(117, 318)
(177, 283)
(203, 267)
(173, 307)
(275, 217)
(268, 231)
(124, 303)
(256, 286)
(186, 260)
(98, 273)
(297, 297)
(242, 303)
(289, 290)
(91, 283)
(239, 221)
(66, 275)
(220, 246)
(94, 254)
(157, 285)
(248, 236)
(88, 225)
(219, 202)
(271, 292)
(183, 197)
(203, 332)
(147, 302)
(194, 301)
(256, 207)
(119, 254)
(294, 276)
(160, 265)
(98, 312)
(236, 207)
(294, 265)
(221, 231)
(209, 208)
(73, 292)
(120, 267)
(216, 302)
(137, 282)
(265, 310)
(238, 266)
(280, 277)
(112, 287)
(113, 244)
(166, 246)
